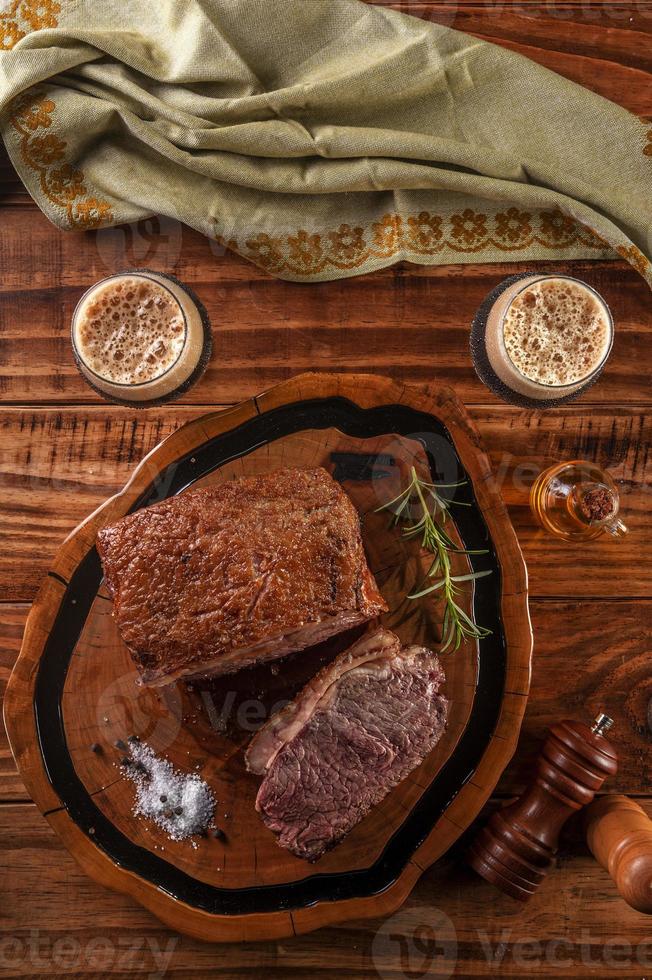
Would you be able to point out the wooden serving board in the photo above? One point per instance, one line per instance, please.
(74, 684)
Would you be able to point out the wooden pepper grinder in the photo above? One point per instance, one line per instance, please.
(517, 847)
(619, 834)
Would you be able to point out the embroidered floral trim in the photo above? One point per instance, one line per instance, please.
(636, 258)
(24, 16)
(44, 154)
(349, 247)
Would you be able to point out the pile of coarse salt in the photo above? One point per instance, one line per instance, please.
(182, 804)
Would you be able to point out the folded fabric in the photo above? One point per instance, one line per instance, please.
(318, 138)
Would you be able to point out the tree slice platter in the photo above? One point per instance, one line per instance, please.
(74, 684)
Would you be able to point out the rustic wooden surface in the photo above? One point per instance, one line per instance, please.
(62, 452)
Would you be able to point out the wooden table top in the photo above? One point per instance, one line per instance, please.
(63, 451)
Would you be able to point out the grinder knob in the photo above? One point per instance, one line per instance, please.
(619, 834)
(517, 847)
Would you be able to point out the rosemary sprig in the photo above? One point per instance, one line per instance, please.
(428, 525)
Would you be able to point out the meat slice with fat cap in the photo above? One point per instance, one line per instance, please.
(355, 731)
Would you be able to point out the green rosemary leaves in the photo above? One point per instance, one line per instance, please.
(423, 513)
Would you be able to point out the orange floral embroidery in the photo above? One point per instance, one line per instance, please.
(24, 16)
(265, 251)
(66, 183)
(469, 230)
(42, 151)
(558, 227)
(40, 13)
(513, 225)
(90, 213)
(635, 257)
(346, 244)
(425, 232)
(387, 234)
(306, 254)
(10, 34)
(29, 115)
(62, 185)
(305, 249)
(647, 149)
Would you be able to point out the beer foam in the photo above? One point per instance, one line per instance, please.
(556, 332)
(130, 330)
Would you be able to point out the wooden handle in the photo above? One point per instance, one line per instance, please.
(619, 834)
(516, 848)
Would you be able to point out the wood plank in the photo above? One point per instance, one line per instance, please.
(616, 9)
(616, 34)
(589, 655)
(12, 624)
(410, 322)
(58, 465)
(522, 443)
(56, 921)
(101, 449)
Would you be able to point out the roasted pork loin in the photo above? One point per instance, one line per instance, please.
(220, 578)
(354, 733)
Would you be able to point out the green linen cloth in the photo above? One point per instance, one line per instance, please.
(319, 138)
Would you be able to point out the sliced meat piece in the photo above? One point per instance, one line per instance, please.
(224, 577)
(354, 733)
